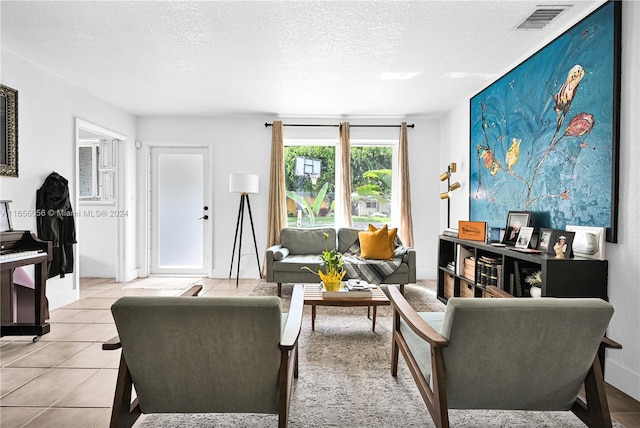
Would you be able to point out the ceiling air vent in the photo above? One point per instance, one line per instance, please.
(542, 16)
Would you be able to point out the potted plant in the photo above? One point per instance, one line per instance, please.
(332, 265)
(535, 280)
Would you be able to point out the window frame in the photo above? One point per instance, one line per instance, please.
(358, 142)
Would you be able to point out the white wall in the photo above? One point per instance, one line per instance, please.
(622, 366)
(48, 107)
(244, 145)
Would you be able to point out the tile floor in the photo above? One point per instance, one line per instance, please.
(67, 380)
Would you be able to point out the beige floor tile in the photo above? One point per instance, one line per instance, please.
(92, 303)
(60, 330)
(91, 333)
(81, 316)
(68, 418)
(13, 378)
(63, 315)
(97, 391)
(93, 357)
(16, 350)
(51, 355)
(47, 388)
(13, 417)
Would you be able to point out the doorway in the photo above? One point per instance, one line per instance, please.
(100, 245)
(179, 211)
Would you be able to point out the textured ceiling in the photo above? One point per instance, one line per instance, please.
(302, 58)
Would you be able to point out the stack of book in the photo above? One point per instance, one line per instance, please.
(489, 271)
(450, 232)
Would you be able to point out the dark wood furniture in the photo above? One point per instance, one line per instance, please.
(313, 297)
(569, 277)
(22, 248)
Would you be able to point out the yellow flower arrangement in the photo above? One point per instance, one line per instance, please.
(332, 263)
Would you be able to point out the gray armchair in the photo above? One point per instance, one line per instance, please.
(205, 355)
(509, 354)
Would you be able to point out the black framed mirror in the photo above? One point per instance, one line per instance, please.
(8, 131)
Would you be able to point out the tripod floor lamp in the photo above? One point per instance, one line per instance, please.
(243, 184)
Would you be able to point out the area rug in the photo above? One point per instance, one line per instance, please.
(164, 283)
(345, 381)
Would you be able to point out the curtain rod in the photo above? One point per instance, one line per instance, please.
(267, 124)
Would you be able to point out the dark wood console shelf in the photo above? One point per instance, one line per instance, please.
(569, 277)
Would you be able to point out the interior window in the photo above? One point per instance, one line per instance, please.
(97, 170)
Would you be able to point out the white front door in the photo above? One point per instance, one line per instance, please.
(180, 211)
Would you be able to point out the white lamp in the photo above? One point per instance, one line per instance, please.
(243, 184)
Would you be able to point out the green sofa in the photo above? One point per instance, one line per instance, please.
(303, 246)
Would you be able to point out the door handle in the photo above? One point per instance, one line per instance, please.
(206, 217)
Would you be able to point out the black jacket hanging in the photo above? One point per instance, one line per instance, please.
(56, 223)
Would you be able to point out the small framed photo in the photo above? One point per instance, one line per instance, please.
(524, 237)
(543, 239)
(560, 243)
(515, 221)
(5, 217)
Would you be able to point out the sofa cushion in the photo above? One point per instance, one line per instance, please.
(308, 241)
(294, 263)
(375, 245)
(392, 235)
(280, 254)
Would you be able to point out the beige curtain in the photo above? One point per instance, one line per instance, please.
(343, 217)
(277, 210)
(405, 226)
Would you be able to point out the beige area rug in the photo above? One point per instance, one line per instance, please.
(345, 379)
(162, 283)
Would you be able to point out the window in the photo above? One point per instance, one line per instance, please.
(310, 181)
(371, 183)
(97, 170)
(310, 184)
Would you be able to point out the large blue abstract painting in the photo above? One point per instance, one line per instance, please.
(544, 136)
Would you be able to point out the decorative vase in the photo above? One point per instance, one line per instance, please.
(331, 280)
(535, 292)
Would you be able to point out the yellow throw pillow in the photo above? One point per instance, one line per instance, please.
(392, 235)
(375, 245)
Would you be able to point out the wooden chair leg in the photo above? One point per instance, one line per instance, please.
(595, 412)
(279, 289)
(395, 349)
(124, 412)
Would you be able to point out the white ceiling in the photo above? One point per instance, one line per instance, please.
(288, 58)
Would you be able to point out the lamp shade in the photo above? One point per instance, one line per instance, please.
(244, 183)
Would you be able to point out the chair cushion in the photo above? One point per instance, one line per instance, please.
(419, 348)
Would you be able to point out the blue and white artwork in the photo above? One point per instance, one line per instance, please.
(544, 136)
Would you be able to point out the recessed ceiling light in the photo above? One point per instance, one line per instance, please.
(397, 75)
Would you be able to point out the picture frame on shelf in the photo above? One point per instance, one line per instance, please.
(515, 221)
(560, 243)
(544, 237)
(589, 241)
(524, 237)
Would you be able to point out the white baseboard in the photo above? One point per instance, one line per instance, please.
(622, 378)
